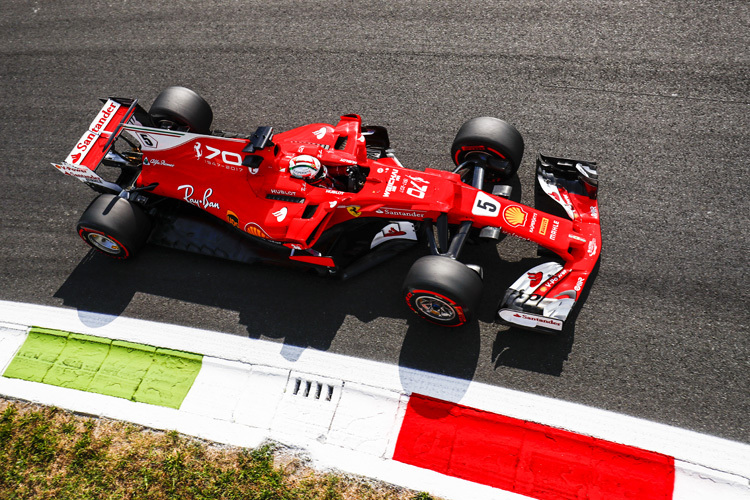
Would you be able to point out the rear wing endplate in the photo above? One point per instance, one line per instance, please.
(95, 143)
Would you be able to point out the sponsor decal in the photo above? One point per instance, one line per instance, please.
(255, 230)
(540, 320)
(280, 214)
(354, 210)
(80, 173)
(391, 185)
(473, 148)
(535, 278)
(333, 191)
(283, 192)
(594, 211)
(158, 162)
(227, 157)
(566, 199)
(532, 224)
(89, 137)
(392, 231)
(592, 248)
(203, 203)
(554, 279)
(569, 206)
(395, 212)
(233, 219)
(514, 216)
(397, 230)
(320, 133)
(543, 226)
(579, 284)
(553, 232)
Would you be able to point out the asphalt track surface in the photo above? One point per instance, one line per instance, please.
(655, 91)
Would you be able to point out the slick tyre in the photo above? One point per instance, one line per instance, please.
(114, 226)
(182, 107)
(442, 290)
(494, 142)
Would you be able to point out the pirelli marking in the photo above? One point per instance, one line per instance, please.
(543, 226)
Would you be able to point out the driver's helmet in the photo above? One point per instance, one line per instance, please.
(306, 167)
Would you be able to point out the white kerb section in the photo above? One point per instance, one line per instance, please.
(296, 406)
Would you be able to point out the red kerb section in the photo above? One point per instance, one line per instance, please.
(527, 458)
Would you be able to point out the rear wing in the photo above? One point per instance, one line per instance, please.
(96, 142)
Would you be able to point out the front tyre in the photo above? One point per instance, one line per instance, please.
(114, 226)
(494, 142)
(442, 290)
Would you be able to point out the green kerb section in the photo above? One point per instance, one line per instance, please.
(115, 368)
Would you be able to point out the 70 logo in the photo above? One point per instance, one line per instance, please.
(226, 156)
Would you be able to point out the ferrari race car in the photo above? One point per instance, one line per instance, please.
(335, 199)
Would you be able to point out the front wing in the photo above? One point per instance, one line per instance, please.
(543, 298)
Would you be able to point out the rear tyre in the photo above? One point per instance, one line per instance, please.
(114, 226)
(181, 107)
(442, 290)
(492, 141)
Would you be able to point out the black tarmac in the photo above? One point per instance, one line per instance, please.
(657, 92)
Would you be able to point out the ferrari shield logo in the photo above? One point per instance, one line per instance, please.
(354, 211)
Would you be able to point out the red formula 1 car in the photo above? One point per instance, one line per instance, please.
(334, 198)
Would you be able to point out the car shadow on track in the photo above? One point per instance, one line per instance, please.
(300, 309)
(303, 310)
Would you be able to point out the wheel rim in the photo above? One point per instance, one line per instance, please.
(104, 243)
(435, 308)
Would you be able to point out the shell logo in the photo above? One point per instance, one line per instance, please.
(515, 216)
